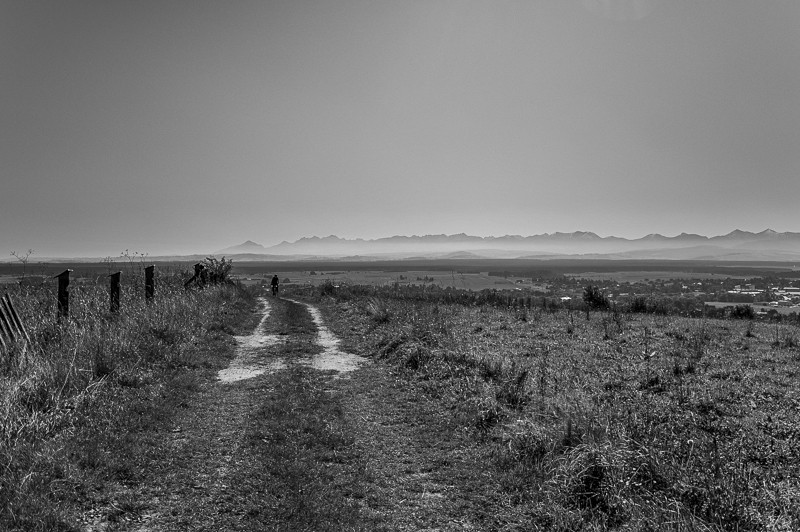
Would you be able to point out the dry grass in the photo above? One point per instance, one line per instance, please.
(66, 401)
(637, 422)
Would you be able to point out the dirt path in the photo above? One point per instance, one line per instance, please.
(424, 472)
(299, 435)
(250, 360)
(189, 489)
(331, 358)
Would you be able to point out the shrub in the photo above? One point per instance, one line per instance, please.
(743, 312)
(594, 298)
(218, 271)
(327, 289)
(639, 305)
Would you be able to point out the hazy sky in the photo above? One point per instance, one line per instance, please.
(188, 126)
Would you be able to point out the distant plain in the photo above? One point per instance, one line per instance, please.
(470, 274)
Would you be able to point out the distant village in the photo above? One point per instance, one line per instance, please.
(769, 297)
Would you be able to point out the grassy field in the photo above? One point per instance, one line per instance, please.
(462, 281)
(529, 267)
(756, 307)
(470, 274)
(630, 422)
(466, 416)
(638, 277)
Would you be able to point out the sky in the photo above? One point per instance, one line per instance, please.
(173, 126)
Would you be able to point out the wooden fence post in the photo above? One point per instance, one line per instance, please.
(114, 290)
(203, 273)
(198, 277)
(63, 294)
(149, 283)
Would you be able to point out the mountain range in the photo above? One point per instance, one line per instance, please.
(737, 245)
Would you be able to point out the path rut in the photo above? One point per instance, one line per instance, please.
(249, 361)
(331, 358)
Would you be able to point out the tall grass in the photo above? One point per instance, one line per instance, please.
(73, 370)
(645, 422)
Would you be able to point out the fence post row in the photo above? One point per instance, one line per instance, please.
(114, 290)
(63, 294)
(11, 326)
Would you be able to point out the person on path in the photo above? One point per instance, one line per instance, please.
(274, 284)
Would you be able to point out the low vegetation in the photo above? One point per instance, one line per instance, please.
(511, 413)
(305, 473)
(623, 421)
(73, 401)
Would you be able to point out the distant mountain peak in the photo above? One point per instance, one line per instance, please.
(329, 238)
(575, 234)
(248, 246)
(738, 233)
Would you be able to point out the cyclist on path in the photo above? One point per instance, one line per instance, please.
(274, 284)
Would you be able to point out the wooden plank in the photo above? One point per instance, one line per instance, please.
(15, 316)
(2, 339)
(5, 324)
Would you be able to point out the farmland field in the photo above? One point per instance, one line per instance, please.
(465, 273)
(757, 308)
(465, 281)
(535, 268)
(639, 276)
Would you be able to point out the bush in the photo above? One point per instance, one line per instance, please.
(218, 271)
(639, 305)
(594, 298)
(743, 312)
(327, 289)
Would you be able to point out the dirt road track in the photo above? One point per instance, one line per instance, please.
(407, 467)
